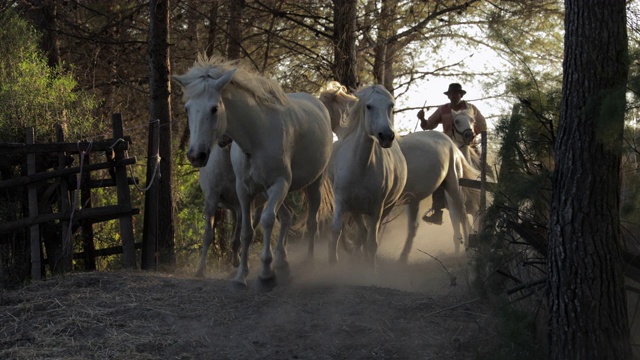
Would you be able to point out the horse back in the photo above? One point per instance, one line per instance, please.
(308, 132)
(428, 157)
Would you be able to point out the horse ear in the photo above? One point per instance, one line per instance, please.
(224, 79)
(180, 79)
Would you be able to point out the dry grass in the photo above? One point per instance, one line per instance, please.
(410, 311)
(136, 315)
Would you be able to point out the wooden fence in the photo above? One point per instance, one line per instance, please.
(69, 213)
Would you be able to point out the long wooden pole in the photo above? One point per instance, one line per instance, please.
(65, 207)
(150, 229)
(124, 199)
(34, 230)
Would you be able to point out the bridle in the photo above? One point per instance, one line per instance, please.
(463, 134)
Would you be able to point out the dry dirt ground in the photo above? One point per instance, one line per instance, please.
(414, 311)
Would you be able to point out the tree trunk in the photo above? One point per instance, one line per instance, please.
(344, 42)
(383, 60)
(213, 27)
(586, 280)
(160, 89)
(44, 14)
(234, 47)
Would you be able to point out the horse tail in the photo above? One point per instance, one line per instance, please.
(325, 212)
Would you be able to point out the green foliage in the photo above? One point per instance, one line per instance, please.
(34, 95)
(190, 214)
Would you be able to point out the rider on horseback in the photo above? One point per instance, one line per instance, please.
(443, 116)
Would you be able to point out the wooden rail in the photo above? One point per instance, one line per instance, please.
(67, 211)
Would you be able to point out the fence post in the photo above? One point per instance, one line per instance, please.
(124, 198)
(150, 227)
(87, 226)
(34, 230)
(483, 179)
(65, 208)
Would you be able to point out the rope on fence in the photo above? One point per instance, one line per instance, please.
(67, 240)
(156, 169)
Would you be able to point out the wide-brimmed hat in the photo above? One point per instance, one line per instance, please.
(455, 87)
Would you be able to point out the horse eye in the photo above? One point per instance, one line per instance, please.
(368, 107)
(214, 109)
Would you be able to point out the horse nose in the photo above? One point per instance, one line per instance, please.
(386, 138)
(468, 136)
(197, 158)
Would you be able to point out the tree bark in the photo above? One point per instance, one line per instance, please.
(160, 89)
(234, 46)
(586, 281)
(213, 27)
(383, 60)
(344, 42)
(44, 15)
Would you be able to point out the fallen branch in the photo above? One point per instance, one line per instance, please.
(452, 307)
(452, 278)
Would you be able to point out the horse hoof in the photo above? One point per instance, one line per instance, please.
(239, 284)
(283, 274)
(266, 284)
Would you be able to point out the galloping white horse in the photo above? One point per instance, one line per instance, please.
(218, 183)
(284, 144)
(433, 159)
(367, 168)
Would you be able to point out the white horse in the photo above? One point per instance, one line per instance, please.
(338, 101)
(284, 144)
(433, 159)
(218, 183)
(463, 135)
(367, 168)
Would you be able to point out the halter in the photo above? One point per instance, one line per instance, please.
(454, 131)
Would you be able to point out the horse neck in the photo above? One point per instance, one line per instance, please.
(465, 150)
(247, 122)
(365, 149)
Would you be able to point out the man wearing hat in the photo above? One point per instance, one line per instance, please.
(443, 116)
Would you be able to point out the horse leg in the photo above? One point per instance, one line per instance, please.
(336, 229)
(412, 223)
(458, 216)
(371, 242)
(207, 239)
(314, 198)
(236, 218)
(218, 219)
(276, 195)
(280, 265)
(246, 235)
(358, 242)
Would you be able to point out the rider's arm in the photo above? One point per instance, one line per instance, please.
(481, 122)
(432, 121)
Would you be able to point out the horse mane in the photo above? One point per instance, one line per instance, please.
(356, 114)
(264, 90)
(337, 100)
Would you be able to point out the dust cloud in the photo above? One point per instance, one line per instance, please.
(433, 268)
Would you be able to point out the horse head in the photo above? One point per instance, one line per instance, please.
(338, 101)
(205, 110)
(375, 107)
(463, 127)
